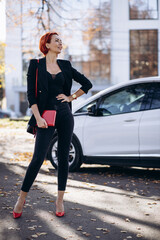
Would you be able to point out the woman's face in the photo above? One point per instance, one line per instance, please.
(55, 45)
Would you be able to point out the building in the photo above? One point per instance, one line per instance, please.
(134, 39)
(22, 44)
(134, 47)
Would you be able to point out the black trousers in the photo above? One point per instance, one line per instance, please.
(64, 125)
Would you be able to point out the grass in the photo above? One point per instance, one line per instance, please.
(10, 123)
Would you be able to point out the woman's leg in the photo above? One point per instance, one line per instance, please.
(59, 202)
(65, 125)
(42, 142)
(20, 202)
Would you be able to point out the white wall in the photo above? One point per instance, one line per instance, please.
(119, 41)
(13, 58)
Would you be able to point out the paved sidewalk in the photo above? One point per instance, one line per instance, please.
(100, 202)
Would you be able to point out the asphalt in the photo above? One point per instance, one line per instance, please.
(100, 202)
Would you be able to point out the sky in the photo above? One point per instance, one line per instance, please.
(2, 21)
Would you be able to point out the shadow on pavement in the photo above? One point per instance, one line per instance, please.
(82, 221)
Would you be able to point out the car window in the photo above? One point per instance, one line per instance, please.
(155, 103)
(128, 99)
(84, 108)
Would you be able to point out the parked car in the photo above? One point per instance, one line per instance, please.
(7, 113)
(117, 126)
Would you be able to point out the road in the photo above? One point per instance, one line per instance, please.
(100, 202)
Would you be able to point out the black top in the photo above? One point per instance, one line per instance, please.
(69, 73)
(55, 87)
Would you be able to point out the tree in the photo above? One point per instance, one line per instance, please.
(48, 14)
(97, 33)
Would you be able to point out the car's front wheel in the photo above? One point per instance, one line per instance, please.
(75, 153)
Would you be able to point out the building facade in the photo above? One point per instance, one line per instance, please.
(22, 43)
(133, 53)
(134, 39)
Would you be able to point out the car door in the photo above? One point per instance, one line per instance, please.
(79, 119)
(114, 130)
(149, 130)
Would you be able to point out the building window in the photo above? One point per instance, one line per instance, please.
(143, 53)
(143, 9)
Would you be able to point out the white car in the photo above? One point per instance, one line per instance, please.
(117, 126)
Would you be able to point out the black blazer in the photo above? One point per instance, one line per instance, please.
(42, 87)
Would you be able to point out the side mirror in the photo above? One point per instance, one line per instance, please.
(92, 111)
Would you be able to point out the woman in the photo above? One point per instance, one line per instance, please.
(53, 92)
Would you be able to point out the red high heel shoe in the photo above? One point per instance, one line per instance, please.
(17, 215)
(60, 214)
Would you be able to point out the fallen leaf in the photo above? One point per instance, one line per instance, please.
(105, 229)
(127, 220)
(138, 228)
(31, 228)
(106, 232)
(42, 233)
(139, 235)
(87, 234)
(79, 228)
(93, 219)
(34, 236)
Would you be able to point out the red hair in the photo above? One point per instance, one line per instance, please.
(46, 38)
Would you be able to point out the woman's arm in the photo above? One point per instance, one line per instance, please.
(31, 82)
(80, 78)
(31, 85)
(40, 121)
(78, 93)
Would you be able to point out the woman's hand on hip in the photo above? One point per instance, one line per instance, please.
(41, 122)
(64, 97)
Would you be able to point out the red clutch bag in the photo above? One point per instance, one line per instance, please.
(50, 117)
